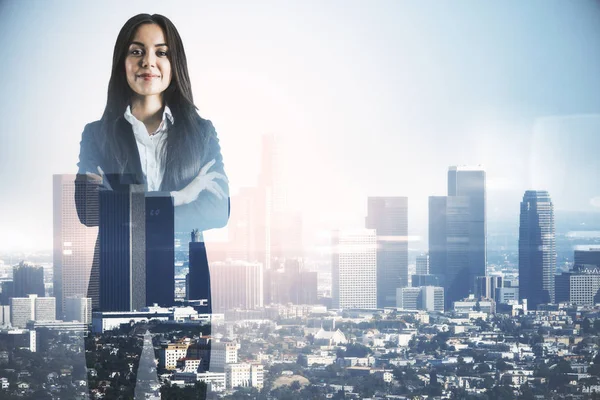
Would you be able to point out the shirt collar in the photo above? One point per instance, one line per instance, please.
(133, 120)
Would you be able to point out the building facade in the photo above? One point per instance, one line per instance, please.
(388, 216)
(537, 249)
(354, 269)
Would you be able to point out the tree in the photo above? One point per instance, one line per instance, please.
(502, 365)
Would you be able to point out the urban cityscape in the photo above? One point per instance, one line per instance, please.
(476, 316)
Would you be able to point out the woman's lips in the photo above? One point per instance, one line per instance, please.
(147, 77)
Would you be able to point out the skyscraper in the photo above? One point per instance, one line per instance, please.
(28, 279)
(354, 269)
(78, 309)
(236, 284)
(449, 244)
(537, 248)
(437, 237)
(469, 182)
(388, 216)
(122, 248)
(160, 250)
(422, 264)
(198, 287)
(31, 308)
(486, 286)
(457, 232)
(74, 245)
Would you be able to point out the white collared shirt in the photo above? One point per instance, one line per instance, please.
(151, 147)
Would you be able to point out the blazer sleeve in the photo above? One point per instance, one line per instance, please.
(207, 211)
(86, 189)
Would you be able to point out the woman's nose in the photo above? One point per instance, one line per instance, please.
(147, 60)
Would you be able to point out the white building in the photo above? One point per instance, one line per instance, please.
(244, 375)
(108, 320)
(354, 268)
(78, 309)
(215, 381)
(171, 353)
(32, 308)
(236, 284)
(221, 354)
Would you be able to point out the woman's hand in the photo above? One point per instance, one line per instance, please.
(204, 181)
(99, 179)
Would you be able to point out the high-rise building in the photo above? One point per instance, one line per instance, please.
(587, 257)
(160, 250)
(7, 289)
(425, 280)
(457, 232)
(449, 243)
(428, 298)
(580, 285)
(537, 249)
(78, 309)
(506, 294)
(198, 279)
(279, 227)
(122, 248)
(422, 264)
(76, 264)
(388, 216)
(4, 316)
(31, 308)
(470, 182)
(486, 286)
(354, 269)
(236, 284)
(28, 279)
(459, 278)
(438, 251)
(291, 284)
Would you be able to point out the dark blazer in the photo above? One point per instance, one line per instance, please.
(206, 212)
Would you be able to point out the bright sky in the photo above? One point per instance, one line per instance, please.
(375, 98)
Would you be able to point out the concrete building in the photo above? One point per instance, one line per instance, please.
(244, 375)
(32, 308)
(354, 269)
(537, 249)
(236, 284)
(428, 298)
(75, 264)
(78, 309)
(171, 353)
(389, 217)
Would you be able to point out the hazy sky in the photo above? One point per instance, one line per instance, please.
(373, 98)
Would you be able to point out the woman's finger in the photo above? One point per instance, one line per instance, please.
(217, 175)
(206, 167)
(214, 191)
(93, 176)
(219, 189)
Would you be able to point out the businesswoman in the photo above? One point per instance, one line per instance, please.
(151, 134)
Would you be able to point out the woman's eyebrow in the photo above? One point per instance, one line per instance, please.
(156, 45)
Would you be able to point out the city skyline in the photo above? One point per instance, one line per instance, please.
(484, 106)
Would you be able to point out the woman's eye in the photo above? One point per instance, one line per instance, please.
(135, 52)
(162, 53)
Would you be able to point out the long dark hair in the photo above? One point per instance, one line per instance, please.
(188, 137)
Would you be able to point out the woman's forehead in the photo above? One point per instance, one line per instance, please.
(149, 34)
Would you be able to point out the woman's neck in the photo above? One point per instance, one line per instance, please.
(147, 109)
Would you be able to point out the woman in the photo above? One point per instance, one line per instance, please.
(149, 89)
(150, 134)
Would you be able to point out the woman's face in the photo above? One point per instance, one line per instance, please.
(147, 66)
